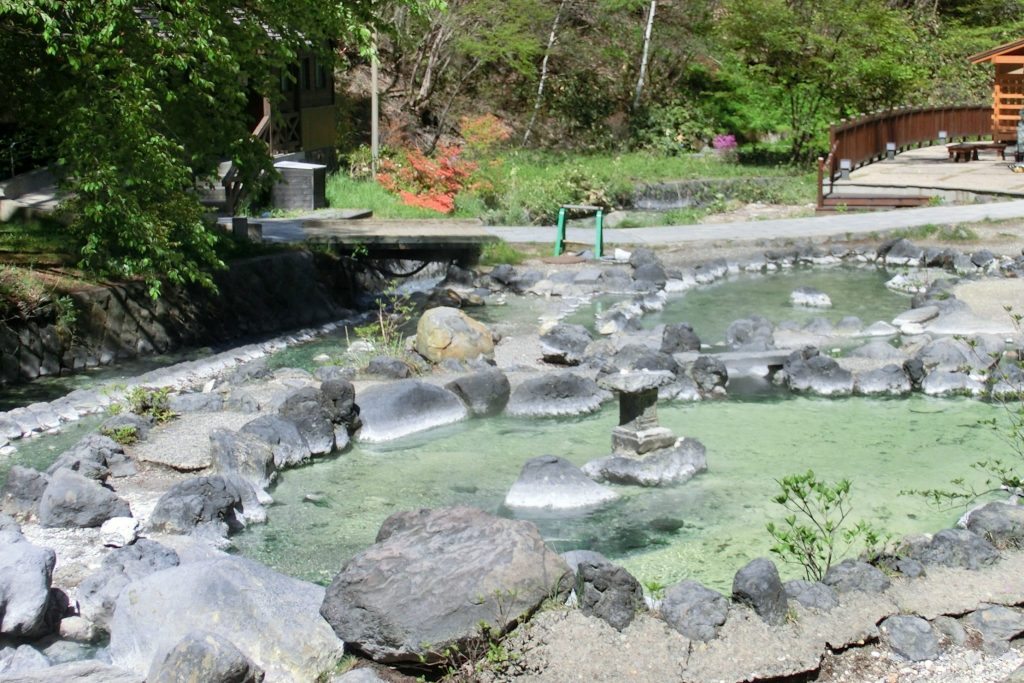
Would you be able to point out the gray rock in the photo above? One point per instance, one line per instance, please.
(95, 456)
(485, 393)
(758, 586)
(950, 629)
(341, 398)
(72, 501)
(812, 594)
(310, 411)
(810, 298)
(207, 657)
(679, 337)
(999, 523)
(440, 558)
(365, 675)
(608, 592)
(287, 445)
(808, 371)
(270, 618)
(332, 372)
(633, 357)
(910, 637)
(951, 383)
(955, 548)
(396, 409)
(574, 558)
(140, 423)
(197, 402)
(244, 455)
(982, 258)
(854, 575)
(555, 394)
(662, 467)
(878, 349)
(819, 326)
(902, 253)
(25, 574)
(948, 354)
(85, 671)
(693, 610)
(997, 625)
(1017, 676)
(98, 592)
(388, 367)
(642, 257)
(550, 482)
(890, 380)
(650, 273)
(709, 374)
(202, 500)
(750, 334)
(565, 344)
(253, 370)
(24, 658)
(22, 492)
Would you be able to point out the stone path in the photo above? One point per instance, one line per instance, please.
(852, 224)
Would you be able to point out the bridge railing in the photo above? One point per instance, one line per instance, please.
(867, 138)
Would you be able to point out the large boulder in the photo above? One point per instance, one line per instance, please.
(73, 501)
(663, 467)
(397, 409)
(98, 592)
(485, 393)
(272, 619)
(216, 499)
(311, 412)
(244, 455)
(434, 576)
(447, 333)
(565, 344)
(808, 371)
(25, 574)
(207, 657)
(555, 394)
(695, 611)
(608, 592)
(22, 492)
(94, 456)
(758, 586)
(286, 444)
(555, 483)
(678, 338)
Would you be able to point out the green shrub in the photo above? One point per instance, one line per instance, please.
(500, 252)
(125, 435)
(152, 402)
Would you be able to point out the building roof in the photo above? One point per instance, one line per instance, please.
(1016, 46)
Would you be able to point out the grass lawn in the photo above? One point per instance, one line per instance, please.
(527, 187)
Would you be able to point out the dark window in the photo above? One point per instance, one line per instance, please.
(321, 76)
(307, 83)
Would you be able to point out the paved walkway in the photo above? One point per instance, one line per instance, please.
(788, 228)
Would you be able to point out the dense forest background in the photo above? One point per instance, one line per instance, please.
(670, 75)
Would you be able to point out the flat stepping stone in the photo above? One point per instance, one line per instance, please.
(916, 315)
(183, 444)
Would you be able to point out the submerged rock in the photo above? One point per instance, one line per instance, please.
(397, 409)
(555, 483)
(662, 467)
(809, 297)
(556, 394)
(433, 576)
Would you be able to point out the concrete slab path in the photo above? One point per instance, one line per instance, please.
(852, 224)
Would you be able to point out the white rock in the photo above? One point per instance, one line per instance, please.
(118, 532)
(916, 315)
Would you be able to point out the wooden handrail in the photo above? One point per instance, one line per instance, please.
(863, 139)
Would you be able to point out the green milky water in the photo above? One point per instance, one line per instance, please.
(704, 529)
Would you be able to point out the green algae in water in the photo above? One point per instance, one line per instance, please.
(39, 452)
(704, 529)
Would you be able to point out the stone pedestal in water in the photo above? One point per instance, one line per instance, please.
(644, 452)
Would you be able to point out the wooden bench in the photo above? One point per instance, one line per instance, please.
(968, 151)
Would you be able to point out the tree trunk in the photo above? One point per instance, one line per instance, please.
(646, 54)
(544, 72)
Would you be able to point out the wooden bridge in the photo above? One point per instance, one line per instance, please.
(460, 241)
(874, 137)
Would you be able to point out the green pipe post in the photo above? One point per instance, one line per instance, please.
(599, 234)
(560, 235)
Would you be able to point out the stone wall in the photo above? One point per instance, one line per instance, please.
(682, 193)
(256, 297)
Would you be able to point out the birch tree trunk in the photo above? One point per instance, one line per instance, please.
(646, 54)
(544, 72)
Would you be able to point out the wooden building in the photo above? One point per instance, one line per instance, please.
(1007, 87)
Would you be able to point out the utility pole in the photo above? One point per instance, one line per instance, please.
(374, 109)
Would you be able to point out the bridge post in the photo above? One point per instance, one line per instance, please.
(560, 234)
(599, 234)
